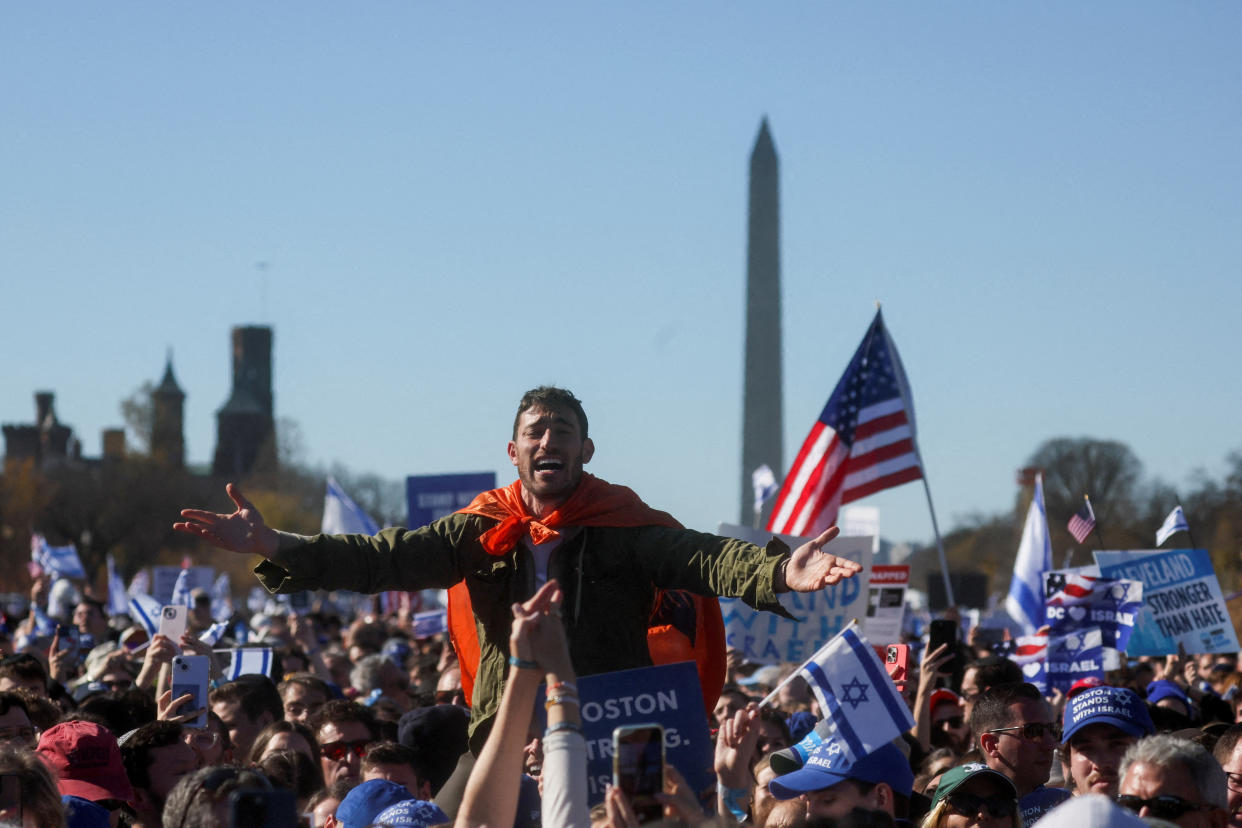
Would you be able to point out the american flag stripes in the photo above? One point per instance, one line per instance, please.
(1083, 522)
(862, 443)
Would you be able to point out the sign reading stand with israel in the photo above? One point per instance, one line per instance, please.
(767, 638)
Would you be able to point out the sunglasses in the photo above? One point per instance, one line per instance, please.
(336, 751)
(200, 739)
(1165, 806)
(1032, 731)
(968, 804)
(953, 722)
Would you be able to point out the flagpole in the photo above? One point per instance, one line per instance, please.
(909, 406)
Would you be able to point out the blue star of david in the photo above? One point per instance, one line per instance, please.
(855, 693)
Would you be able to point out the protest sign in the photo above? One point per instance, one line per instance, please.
(668, 695)
(886, 603)
(431, 496)
(1182, 601)
(1029, 653)
(1077, 655)
(1074, 601)
(767, 638)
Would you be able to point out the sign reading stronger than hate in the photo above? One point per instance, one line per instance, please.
(767, 638)
(1182, 601)
(431, 496)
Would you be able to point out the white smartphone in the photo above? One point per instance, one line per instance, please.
(172, 623)
(189, 675)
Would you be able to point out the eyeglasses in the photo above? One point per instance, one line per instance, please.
(336, 751)
(1234, 780)
(1165, 806)
(200, 739)
(953, 722)
(968, 804)
(1032, 731)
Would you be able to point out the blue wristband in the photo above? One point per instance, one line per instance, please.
(523, 664)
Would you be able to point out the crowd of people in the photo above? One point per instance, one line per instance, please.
(359, 721)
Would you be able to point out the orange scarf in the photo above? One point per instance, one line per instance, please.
(594, 503)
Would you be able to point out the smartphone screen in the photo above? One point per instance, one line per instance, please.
(944, 631)
(172, 623)
(638, 767)
(11, 798)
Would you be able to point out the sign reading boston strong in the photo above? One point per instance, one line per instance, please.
(1182, 601)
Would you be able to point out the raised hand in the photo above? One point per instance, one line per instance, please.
(810, 569)
(242, 531)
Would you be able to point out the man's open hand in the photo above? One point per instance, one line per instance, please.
(811, 569)
(242, 531)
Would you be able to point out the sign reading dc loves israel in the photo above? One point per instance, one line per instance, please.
(1182, 601)
(767, 638)
(669, 695)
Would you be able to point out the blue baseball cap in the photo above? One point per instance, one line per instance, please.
(830, 764)
(1116, 706)
(412, 813)
(362, 804)
(1164, 689)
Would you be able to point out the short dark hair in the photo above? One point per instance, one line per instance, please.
(392, 753)
(1226, 743)
(993, 670)
(136, 752)
(9, 700)
(551, 398)
(281, 726)
(22, 667)
(98, 605)
(254, 694)
(991, 710)
(344, 710)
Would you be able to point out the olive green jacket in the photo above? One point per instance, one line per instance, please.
(608, 576)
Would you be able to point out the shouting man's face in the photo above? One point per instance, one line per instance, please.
(548, 451)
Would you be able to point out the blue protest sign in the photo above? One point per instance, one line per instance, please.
(431, 496)
(1075, 602)
(1078, 655)
(668, 695)
(1182, 601)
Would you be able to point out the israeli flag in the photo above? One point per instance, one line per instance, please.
(43, 624)
(118, 598)
(141, 583)
(1174, 523)
(145, 611)
(1025, 602)
(248, 661)
(764, 482)
(214, 633)
(427, 624)
(221, 598)
(341, 516)
(862, 707)
(181, 590)
(59, 560)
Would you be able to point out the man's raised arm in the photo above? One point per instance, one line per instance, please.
(243, 531)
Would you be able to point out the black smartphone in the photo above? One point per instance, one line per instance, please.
(944, 631)
(258, 808)
(11, 798)
(638, 767)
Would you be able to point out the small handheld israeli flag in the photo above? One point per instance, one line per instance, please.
(145, 611)
(859, 699)
(60, 560)
(221, 598)
(214, 633)
(341, 516)
(1174, 523)
(247, 661)
(181, 590)
(764, 482)
(118, 598)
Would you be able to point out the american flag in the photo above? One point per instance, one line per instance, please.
(862, 443)
(1083, 522)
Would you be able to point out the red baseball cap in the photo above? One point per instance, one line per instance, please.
(86, 761)
(943, 696)
(1084, 684)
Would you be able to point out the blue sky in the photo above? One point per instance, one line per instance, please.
(456, 202)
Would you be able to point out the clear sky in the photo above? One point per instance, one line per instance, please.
(456, 202)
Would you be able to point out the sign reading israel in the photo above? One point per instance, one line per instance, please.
(767, 638)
